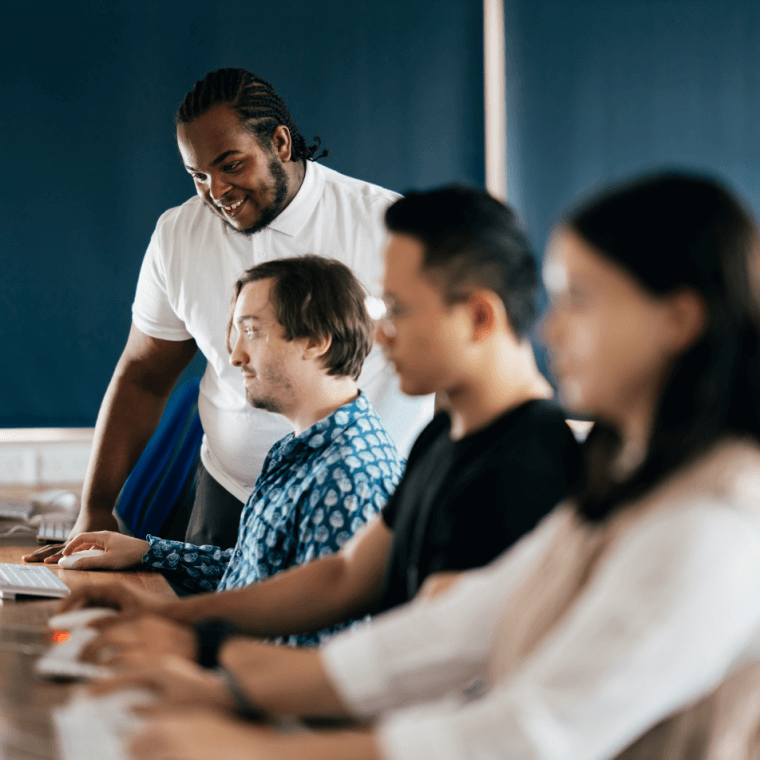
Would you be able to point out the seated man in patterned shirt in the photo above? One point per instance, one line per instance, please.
(299, 333)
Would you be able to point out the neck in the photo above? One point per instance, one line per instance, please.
(321, 399)
(635, 431)
(504, 377)
(296, 171)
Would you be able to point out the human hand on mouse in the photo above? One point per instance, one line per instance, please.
(120, 551)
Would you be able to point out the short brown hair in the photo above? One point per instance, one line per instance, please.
(315, 297)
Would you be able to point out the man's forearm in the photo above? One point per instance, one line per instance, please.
(307, 598)
(128, 417)
(282, 680)
(130, 411)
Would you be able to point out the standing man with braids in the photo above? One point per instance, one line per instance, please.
(260, 196)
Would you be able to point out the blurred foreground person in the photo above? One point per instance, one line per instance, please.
(627, 624)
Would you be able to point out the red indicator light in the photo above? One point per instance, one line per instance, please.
(60, 636)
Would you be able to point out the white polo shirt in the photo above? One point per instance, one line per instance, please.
(184, 292)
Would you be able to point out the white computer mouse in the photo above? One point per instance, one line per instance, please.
(68, 621)
(69, 561)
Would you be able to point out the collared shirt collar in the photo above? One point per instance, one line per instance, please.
(315, 438)
(292, 220)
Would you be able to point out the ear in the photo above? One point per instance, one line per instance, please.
(282, 144)
(688, 318)
(484, 311)
(314, 348)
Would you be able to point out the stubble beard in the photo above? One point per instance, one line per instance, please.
(272, 210)
(267, 403)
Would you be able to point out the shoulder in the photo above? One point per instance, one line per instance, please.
(537, 432)
(701, 514)
(192, 209)
(356, 191)
(692, 542)
(369, 453)
(437, 427)
(362, 454)
(543, 414)
(183, 223)
(728, 473)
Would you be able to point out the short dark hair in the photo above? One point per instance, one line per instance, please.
(258, 106)
(671, 230)
(316, 297)
(472, 240)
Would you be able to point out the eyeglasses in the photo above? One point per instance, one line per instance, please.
(384, 312)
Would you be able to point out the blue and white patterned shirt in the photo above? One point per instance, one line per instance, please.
(314, 492)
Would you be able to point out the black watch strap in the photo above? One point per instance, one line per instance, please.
(209, 637)
(245, 708)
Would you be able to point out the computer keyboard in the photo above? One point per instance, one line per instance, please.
(34, 580)
(93, 728)
(62, 660)
(54, 529)
(16, 510)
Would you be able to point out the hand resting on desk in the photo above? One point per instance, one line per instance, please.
(52, 553)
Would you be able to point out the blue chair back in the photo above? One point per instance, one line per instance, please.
(165, 473)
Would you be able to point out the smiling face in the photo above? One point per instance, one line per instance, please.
(271, 365)
(611, 343)
(428, 334)
(242, 182)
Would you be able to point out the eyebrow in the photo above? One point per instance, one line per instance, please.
(217, 160)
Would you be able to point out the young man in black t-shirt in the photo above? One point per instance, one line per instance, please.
(460, 290)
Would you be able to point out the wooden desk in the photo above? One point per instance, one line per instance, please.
(26, 700)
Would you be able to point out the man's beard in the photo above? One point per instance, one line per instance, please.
(267, 403)
(272, 211)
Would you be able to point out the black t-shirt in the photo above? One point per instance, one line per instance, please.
(462, 503)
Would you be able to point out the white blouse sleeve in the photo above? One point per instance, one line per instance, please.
(662, 623)
(425, 649)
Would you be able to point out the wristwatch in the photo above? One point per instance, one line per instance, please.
(244, 707)
(209, 636)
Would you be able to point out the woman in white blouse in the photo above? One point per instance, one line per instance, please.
(627, 624)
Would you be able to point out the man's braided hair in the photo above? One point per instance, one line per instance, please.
(260, 109)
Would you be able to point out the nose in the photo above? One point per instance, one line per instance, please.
(548, 327)
(384, 334)
(218, 187)
(238, 357)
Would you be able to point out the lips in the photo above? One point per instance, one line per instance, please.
(233, 209)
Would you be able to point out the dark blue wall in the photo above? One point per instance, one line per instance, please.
(603, 88)
(88, 159)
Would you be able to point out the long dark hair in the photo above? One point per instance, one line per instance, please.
(671, 231)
